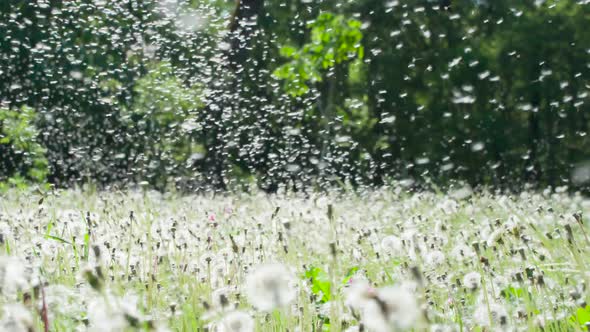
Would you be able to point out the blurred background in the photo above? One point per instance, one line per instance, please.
(298, 94)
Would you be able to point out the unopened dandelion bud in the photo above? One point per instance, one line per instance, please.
(484, 261)
(333, 249)
(95, 282)
(96, 250)
(287, 225)
(575, 295)
(417, 275)
(234, 245)
(569, 233)
(131, 320)
(578, 217)
(206, 305)
(476, 247)
(223, 300)
(27, 298)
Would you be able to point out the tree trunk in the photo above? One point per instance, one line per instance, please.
(222, 100)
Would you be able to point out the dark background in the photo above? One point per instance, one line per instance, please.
(138, 92)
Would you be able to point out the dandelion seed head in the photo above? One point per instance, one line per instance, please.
(236, 321)
(111, 313)
(358, 292)
(434, 258)
(270, 286)
(16, 318)
(472, 280)
(391, 244)
(13, 274)
(462, 252)
(392, 308)
(496, 312)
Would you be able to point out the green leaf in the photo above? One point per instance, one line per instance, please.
(287, 51)
(56, 238)
(349, 274)
(86, 245)
(49, 227)
(334, 40)
(582, 315)
(512, 293)
(320, 283)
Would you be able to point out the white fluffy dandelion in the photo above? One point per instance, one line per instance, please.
(16, 318)
(358, 293)
(472, 280)
(270, 286)
(391, 244)
(236, 321)
(462, 252)
(434, 258)
(110, 313)
(495, 315)
(13, 274)
(392, 308)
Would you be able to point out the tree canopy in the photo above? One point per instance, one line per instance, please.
(224, 94)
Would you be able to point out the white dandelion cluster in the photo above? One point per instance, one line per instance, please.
(383, 261)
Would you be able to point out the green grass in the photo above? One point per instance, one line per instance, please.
(164, 259)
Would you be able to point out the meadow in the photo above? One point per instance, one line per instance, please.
(387, 260)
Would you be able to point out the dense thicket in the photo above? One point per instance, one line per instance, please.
(213, 93)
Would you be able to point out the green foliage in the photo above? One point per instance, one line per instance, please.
(164, 99)
(512, 293)
(164, 116)
(486, 92)
(320, 283)
(334, 40)
(21, 149)
(582, 316)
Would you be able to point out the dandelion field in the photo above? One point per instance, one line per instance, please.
(381, 261)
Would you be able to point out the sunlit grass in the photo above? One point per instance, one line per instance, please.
(147, 261)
